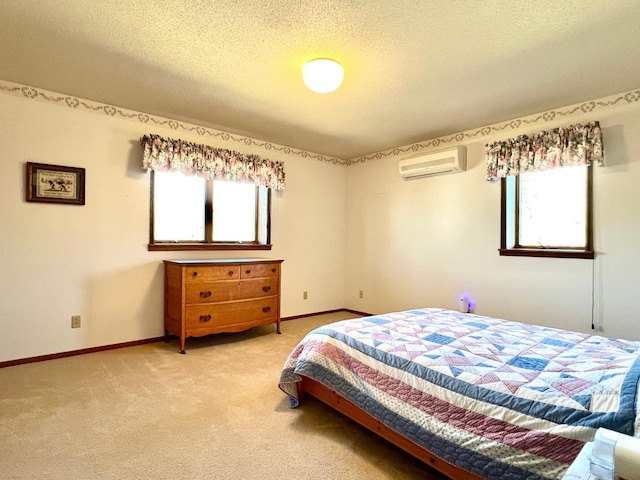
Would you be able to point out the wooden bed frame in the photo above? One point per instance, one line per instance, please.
(344, 406)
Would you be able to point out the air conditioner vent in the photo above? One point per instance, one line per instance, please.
(434, 163)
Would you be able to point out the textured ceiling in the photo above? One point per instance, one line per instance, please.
(414, 69)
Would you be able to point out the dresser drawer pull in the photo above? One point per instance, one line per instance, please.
(266, 309)
(266, 288)
(247, 272)
(194, 274)
(205, 294)
(273, 270)
(205, 318)
(231, 273)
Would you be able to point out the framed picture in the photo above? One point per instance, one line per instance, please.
(55, 184)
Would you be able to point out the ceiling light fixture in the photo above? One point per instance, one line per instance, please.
(322, 75)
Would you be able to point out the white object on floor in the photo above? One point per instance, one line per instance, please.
(463, 305)
(615, 456)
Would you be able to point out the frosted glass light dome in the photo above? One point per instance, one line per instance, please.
(322, 75)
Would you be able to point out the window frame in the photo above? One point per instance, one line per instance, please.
(587, 252)
(208, 243)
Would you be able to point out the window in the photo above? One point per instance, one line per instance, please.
(192, 213)
(548, 213)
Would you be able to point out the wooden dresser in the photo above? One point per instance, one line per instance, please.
(227, 295)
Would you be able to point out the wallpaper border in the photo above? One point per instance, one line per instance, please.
(33, 93)
(632, 96)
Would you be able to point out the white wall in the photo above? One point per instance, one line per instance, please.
(92, 260)
(424, 242)
(406, 244)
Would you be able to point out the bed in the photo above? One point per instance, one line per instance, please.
(473, 396)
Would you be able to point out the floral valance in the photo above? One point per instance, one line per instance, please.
(572, 145)
(168, 155)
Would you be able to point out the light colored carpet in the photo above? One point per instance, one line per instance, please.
(147, 412)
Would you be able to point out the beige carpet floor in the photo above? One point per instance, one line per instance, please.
(147, 412)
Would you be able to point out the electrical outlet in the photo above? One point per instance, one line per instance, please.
(75, 321)
(304, 295)
(361, 294)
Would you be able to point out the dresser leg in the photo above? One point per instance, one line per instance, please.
(166, 336)
(182, 352)
(182, 341)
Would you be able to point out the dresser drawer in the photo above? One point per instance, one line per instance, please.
(260, 270)
(218, 315)
(226, 291)
(211, 273)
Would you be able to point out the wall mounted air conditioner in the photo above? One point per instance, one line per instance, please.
(434, 163)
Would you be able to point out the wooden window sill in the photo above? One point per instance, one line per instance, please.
(547, 252)
(156, 247)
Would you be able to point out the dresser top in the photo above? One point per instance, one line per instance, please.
(223, 261)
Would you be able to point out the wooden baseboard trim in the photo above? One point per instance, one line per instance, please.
(73, 353)
(356, 312)
(363, 314)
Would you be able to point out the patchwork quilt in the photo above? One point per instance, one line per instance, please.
(501, 399)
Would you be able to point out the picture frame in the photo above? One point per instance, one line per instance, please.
(55, 184)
